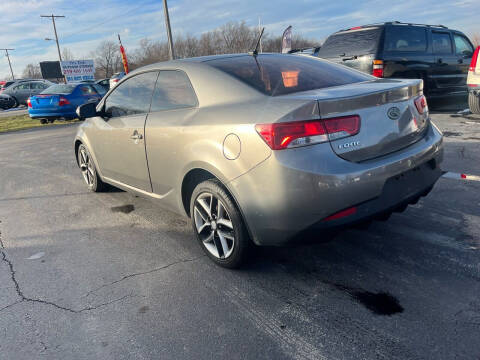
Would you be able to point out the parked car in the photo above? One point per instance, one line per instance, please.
(116, 78)
(105, 83)
(434, 53)
(21, 90)
(61, 101)
(6, 102)
(473, 82)
(261, 147)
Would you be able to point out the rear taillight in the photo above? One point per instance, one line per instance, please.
(29, 103)
(63, 101)
(421, 104)
(377, 68)
(473, 63)
(279, 136)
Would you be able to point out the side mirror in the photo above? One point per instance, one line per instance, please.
(87, 110)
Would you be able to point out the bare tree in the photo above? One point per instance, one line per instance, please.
(232, 37)
(32, 71)
(67, 54)
(107, 59)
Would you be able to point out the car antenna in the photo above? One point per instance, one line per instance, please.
(255, 52)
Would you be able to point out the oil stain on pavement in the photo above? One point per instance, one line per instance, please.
(126, 209)
(380, 303)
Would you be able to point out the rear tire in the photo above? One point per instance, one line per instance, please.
(15, 103)
(474, 103)
(218, 225)
(89, 171)
(43, 121)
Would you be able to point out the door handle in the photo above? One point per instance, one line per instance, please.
(460, 61)
(440, 61)
(136, 136)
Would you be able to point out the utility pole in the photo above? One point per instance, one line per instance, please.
(56, 36)
(169, 30)
(9, 63)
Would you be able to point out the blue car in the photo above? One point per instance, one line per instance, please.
(60, 101)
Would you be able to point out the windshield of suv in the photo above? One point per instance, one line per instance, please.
(352, 42)
(286, 74)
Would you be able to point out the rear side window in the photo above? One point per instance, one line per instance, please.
(173, 91)
(87, 90)
(353, 42)
(462, 45)
(131, 97)
(286, 74)
(442, 44)
(100, 89)
(405, 38)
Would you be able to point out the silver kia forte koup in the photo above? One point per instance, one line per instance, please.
(257, 148)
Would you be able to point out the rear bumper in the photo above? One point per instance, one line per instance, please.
(295, 189)
(52, 114)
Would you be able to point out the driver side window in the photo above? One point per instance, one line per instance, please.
(132, 97)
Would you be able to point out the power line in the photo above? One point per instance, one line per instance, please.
(116, 17)
(9, 63)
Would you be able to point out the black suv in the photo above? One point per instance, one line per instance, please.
(434, 53)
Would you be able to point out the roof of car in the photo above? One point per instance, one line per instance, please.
(200, 59)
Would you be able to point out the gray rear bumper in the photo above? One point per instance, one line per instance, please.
(295, 189)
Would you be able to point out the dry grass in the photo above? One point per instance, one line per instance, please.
(22, 122)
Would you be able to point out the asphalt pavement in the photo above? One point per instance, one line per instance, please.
(112, 276)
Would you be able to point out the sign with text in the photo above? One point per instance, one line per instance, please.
(78, 70)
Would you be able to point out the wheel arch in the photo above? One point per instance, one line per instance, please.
(194, 177)
(82, 140)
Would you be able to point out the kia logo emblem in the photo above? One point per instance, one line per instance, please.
(393, 113)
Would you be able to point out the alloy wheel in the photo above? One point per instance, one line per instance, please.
(86, 166)
(214, 225)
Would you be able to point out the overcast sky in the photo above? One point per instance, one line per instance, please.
(88, 22)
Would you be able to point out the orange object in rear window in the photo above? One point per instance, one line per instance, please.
(290, 78)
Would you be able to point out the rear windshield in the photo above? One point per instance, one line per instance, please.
(353, 42)
(64, 89)
(286, 74)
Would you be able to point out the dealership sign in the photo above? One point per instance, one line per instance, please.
(78, 70)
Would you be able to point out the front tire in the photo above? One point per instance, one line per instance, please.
(474, 103)
(218, 225)
(88, 169)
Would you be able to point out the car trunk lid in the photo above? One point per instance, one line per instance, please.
(389, 118)
(45, 101)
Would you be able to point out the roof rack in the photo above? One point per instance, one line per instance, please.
(390, 23)
(404, 23)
